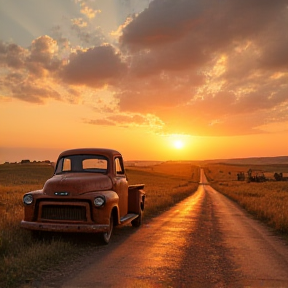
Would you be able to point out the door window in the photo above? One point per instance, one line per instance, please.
(119, 166)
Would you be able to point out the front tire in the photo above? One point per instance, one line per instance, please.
(105, 237)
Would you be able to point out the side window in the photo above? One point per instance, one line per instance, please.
(66, 165)
(119, 166)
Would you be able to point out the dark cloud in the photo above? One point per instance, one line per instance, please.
(95, 67)
(199, 67)
(31, 93)
(206, 22)
(30, 73)
(237, 48)
(11, 55)
(163, 22)
(184, 34)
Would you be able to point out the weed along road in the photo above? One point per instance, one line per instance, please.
(204, 241)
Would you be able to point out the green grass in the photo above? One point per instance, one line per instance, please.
(23, 258)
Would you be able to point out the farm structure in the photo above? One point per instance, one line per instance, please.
(256, 176)
(280, 177)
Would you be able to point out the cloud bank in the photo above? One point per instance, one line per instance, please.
(195, 67)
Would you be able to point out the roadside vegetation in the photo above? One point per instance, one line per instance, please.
(267, 201)
(165, 184)
(23, 258)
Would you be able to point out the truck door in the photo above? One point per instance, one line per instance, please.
(121, 186)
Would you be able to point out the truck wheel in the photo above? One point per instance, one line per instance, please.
(138, 221)
(105, 237)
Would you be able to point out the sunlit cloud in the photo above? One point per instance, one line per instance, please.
(181, 67)
(118, 33)
(126, 120)
(79, 22)
(89, 12)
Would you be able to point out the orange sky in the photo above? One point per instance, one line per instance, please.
(136, 76)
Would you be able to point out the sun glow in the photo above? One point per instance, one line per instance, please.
(179, 141)
(178, 144)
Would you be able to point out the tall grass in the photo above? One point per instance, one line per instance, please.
(267, 201)
(165, 184)
(23, 258)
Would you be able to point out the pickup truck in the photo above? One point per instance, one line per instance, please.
(88, 193)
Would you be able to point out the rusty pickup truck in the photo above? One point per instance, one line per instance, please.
(88, 193)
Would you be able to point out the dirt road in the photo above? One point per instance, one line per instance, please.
(204, 241)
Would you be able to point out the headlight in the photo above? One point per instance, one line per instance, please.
(28, 199)
(99, 201)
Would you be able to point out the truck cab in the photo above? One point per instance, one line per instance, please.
(88, 193)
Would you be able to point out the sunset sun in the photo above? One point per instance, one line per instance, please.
(178, 144)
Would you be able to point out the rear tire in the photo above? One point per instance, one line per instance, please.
(138, 221)
(105, 237)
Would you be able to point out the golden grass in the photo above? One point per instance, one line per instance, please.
(181, 169)
(165, 184)
(267, 201)
(22, 258)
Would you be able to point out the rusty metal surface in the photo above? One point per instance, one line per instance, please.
(64, 227)
(66, 202)
(77, 183)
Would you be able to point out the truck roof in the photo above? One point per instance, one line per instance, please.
(96, 151)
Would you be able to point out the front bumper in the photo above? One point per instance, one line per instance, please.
(62, 227)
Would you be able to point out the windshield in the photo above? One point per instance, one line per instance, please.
(82, 163)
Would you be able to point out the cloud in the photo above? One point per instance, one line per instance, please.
(215, 64)
(30, 74)
(126, 120)
(88, 12)
(87, 37)
(195, 67)
(34, 93)
(11, 55)
(95, 67)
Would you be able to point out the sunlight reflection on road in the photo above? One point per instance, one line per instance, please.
(148, 255)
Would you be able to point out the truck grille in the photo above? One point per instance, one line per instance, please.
(73, 213)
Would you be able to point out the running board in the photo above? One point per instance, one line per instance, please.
(128, 217)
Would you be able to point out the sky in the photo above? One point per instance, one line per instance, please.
(154, 79)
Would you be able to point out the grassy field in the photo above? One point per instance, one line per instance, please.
(20, 255)
(22, 258)
(267, 201)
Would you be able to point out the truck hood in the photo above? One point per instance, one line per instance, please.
(77, 183)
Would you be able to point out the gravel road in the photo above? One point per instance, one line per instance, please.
(204, 241)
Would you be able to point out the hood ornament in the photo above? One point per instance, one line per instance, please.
(61, 193)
